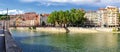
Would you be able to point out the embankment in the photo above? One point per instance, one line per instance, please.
(70, 29)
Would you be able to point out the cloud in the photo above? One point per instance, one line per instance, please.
(49, 4)
(75, 2)
(11, 12)
(61, 1)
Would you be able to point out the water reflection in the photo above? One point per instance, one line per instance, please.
(46, 42)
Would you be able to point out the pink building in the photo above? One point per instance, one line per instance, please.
(27, 19)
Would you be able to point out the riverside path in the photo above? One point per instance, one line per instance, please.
(7, 43)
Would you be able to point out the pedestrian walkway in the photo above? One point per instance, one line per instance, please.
(10, 44)
(7, 43)
(2, 41)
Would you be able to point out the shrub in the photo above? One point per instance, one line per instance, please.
(30, 28)
(34, 27)
(115, 30)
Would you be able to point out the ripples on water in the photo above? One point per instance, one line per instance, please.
(31, 41)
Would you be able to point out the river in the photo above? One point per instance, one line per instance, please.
(31, 41)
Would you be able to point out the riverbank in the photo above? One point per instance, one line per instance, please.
(70, 29)
(42, 29)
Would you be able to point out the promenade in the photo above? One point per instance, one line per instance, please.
(7, 43)
(2, 41)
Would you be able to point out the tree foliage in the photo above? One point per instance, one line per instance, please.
(3, 16)
(68, 17)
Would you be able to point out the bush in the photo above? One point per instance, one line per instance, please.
(34, 27)
(115, 30)
(118, 29)
(30, 28)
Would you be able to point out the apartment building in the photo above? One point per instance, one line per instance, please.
(102, 17)
(92, 18)
(26, 19)
(108, 16)
(112, 13)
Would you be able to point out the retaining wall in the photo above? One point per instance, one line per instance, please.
(71, 29)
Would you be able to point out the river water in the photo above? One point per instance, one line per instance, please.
(31, 41)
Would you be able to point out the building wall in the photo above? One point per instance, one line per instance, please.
(27, 19)
(92, 17)
(112, 15)
(102, 17)
(43, 18)
(108, 16)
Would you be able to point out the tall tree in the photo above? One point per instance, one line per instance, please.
(3, 16)
(73, 16)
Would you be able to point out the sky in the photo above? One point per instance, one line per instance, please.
(47, 6)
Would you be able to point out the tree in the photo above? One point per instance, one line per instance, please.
(3, 16)
(79, 17)
(67, 17)
(73, 16)
(52, 18)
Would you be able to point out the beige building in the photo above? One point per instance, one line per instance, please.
(102, 17)
(92, 18)
(112, 13)
(108, 16)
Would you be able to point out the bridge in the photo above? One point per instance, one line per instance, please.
(7, 43)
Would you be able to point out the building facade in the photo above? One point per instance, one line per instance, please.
(112, 13)
(43, 19)
(102, 17)
(92, 18)
(108, 16)
(26, 19)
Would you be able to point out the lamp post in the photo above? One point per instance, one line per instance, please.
(6, 20)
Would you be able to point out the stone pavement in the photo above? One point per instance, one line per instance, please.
(10, 43)
(2, 41)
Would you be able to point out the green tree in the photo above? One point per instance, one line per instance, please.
(79, 17)
(73, 16)
(67, 17)
(53, 18)
(3, 16)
